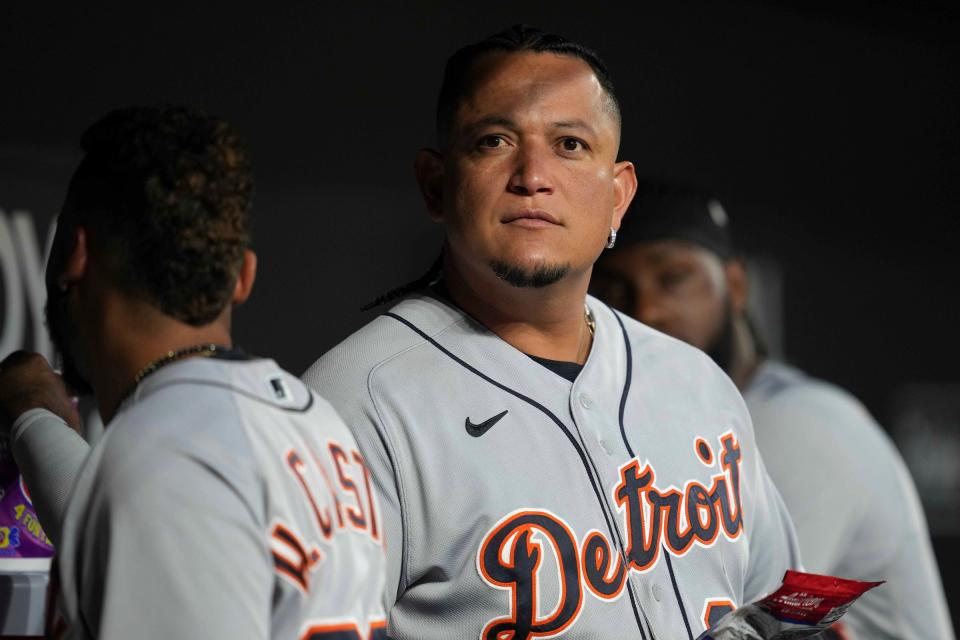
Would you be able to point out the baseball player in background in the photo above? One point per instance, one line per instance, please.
(548, 467)
(852, 500)
(225, 499)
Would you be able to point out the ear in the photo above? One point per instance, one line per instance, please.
(248, 273)
(428, 167)
(738, 286)
(75, 262)
(624, 188)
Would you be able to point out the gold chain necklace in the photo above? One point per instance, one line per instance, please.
(592, 329)
(199, 350)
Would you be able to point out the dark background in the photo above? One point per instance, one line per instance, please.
(830, 130)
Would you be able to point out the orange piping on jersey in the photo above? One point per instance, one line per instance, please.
(355, 515)
(701, 444)
(371, 507)
(333, 492)
(326, 630)
(643, 547)
(524, 621)
(712, 603)
(655, 517)
(297, 573)
(296, 465)
(732, 517)
(603, 561)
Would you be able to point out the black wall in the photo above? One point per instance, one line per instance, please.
(831, 131)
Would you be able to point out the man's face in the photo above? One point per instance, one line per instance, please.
(530, 181)
(60, 310)
(676, 287)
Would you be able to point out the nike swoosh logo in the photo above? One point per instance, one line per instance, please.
(477, 430)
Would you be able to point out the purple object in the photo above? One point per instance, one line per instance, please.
(21, 535)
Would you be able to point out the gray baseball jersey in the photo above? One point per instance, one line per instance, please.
(225, 500)
(629, 503)
(854, 504)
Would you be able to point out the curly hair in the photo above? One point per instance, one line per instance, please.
(169, 192)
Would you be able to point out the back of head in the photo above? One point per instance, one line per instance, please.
(457, 76)
(662, 211)
(166, 194)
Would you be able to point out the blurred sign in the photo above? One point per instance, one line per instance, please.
(32, 184)
(22, 264)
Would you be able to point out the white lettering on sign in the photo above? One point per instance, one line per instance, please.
(25, 294)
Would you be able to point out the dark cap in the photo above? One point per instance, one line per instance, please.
(662, 211)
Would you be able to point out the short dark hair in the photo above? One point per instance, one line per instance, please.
(518, 38)
(169, 192)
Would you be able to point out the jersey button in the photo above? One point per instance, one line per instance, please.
(585, 401)
(606, 447)
(657, 592)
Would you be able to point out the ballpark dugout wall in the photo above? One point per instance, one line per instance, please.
(832, 136)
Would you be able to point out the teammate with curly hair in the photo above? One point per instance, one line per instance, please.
(225, 499)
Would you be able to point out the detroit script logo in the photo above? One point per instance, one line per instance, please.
(511, 555)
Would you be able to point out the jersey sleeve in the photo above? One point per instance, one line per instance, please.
(773, 541)
(856, 509)
(817, 476)
(356, 406)
(771, 535)
(178, 551)
(49, 454)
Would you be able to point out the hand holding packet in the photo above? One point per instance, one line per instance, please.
(805, 606)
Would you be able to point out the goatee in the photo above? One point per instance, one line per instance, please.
(540, 276)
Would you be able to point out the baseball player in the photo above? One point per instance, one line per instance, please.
(225, 499)
(850, 495)
(548, 467)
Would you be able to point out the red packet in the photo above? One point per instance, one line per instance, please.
(804, 605)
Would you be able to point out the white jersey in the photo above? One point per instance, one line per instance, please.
(225, 500)
(630, 503)
(853, 502)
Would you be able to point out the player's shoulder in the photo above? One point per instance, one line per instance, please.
(218, 392)
(662, 356)
(770, 378)
(788, 405)
(394, 334)
(644, 340)
(224, 416)
(199, 411)
(779, 388)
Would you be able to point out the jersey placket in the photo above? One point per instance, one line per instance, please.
(603, 437)
(589, 430)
